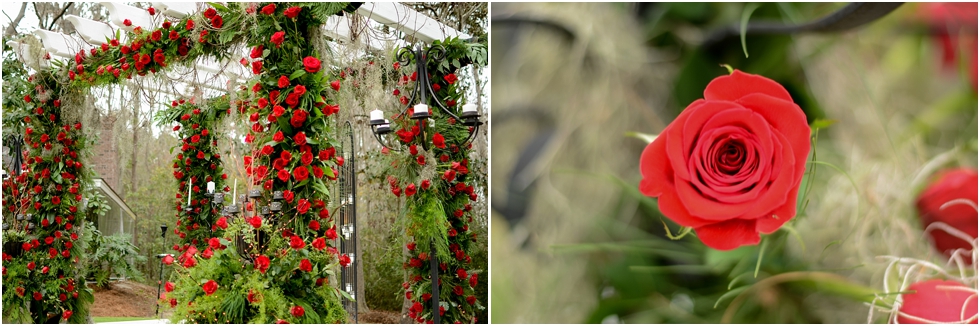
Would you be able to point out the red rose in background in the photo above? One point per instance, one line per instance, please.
(256, 67)
(297, 311)
(168, 259)
(335, 85)
(410, 189)
(169, 287)
(950, 185)
(277, 38)
(304, 265)
(438, 140)
(296, 242)
(950, 24)
(269, 9)
(344, 260)
(301, 173)
(730, 165)
(209, 287)
(450, 78)
(937, 301)
(292, 12)
(256, 52)
(283, 81)
(262, 263)
(319, 243)
(311, 64)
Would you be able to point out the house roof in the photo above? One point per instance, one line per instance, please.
(102, 185)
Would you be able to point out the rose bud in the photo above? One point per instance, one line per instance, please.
(950, 199)
(937, 301)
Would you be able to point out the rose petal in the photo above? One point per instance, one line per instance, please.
(785, 117)
(674, 135)
(785, 182)
(740, 84)
(672, 208)
(706, 208)
(656, 171)
(729, 234)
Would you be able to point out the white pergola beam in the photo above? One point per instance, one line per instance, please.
(92, 31)
(176, 9)
(408, 21)
(118, 13)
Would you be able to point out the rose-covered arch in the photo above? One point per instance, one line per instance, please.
(287, 281)
(438, 188)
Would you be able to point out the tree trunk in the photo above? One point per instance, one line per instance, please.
(132, 156)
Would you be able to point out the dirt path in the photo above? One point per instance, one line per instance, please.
(379, 317)
(125, 299)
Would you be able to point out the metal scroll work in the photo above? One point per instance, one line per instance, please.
(346, 218)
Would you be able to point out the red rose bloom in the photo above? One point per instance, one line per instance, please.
(300, 138)
(278, 137)
(190, 24)
(217, 22)
(304, 265)
(156, 35)
(277, 38)
(256, 222)
(301, 173)
(292, 12)
(269, 9)
(209, 287)
(311, 64)
(256, 52)
(335, 85)
(299, 117)
(410, 189)
(450, 78)
(283, 81)
(331, 234)
(168, 259)
(127, 22)
(262, 263)
(303, 205)
(344, 260)
(438, 140)
(938, 301)
(731, 164)
(947, 200)
(296, 311)
(256, 67)
(210, 12)
(296, 242)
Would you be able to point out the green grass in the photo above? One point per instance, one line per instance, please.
(115, 319)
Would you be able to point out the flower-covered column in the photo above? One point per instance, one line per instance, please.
(40, 273)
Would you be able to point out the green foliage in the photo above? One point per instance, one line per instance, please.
(108, 256)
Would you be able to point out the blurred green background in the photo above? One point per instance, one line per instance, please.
(574, 241)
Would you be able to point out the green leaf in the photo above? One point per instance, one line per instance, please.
(746, 13)
(822, 123)
(297, 74)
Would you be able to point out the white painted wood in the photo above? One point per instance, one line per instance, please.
(23, 52)
(92, 31)
(119, 12)
(175, 9)
(60, 45)
(408, 21)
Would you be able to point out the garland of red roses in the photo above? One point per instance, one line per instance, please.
(288, 114)
(39, 254)
(458, 303)
(197, 164)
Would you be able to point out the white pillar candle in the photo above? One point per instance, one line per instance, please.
(420, 108)
(234, 197)
(210, 187)
(188, 192)
(377, 115)
(469, 107)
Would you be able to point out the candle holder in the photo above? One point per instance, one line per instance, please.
(254, 193)
(275, 207)
(277, 195)
(420, 95)
(219, 199)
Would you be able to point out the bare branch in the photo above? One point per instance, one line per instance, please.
(63, 11)
(12, 28)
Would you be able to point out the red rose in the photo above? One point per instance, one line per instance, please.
(420, 159)
(256, 221)
(292, 100)
(299, 117)
(209, 287)
(937, 301)
(210, 12)
(169, 287)
(473, 280)
(190, 24)
(262, 263)
(296, 311)
(256, 67)
(269, 9)
(303, 205)
(296, 242)
(319, 243)
(300, 173)
(168, 259)
(127, 22)
(335, 85)
(277, 38)
(461, 273)
(471, 300)
(283, 81)
(948, 200)
(292, 12)
(217, 22)
(256, 52)
(278, 137)
(450, 78)
(152, 11)
(344, 260)
(299, 90)
(458, 290)
(304, 265)
(300, 138)
(731, 164)
(410, 189)
(314, 225)
(174, 35)
(311, 64)
(156, 35)
(438, 140)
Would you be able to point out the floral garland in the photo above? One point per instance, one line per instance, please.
(39, 253)
(289, 268)
(285, 34)
(438, 196)
(197, 164)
